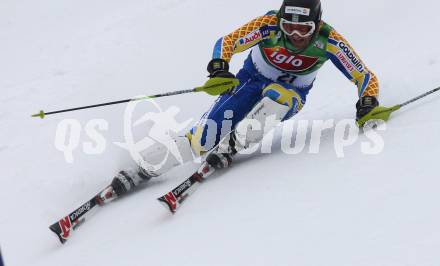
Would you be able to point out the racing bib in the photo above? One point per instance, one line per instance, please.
(285, 61)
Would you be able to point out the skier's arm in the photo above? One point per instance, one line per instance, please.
(343, 56)
(245, 37)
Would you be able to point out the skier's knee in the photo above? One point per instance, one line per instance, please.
(284, 96)
(204, 137)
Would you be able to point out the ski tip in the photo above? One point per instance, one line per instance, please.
(164, 202)
(57, 230)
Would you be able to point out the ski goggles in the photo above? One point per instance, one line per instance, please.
(302, 29)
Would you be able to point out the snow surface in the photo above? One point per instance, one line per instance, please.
(278, 209)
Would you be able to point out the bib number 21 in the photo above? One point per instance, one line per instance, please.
(286, 78)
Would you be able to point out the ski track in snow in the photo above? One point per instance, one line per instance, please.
(277, 209)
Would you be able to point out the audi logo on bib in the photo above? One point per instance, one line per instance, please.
(282, 59)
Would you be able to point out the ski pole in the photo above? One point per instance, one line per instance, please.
(42, 114)
(209, 87)
(383, 113)
(398, 106)
(419, 97)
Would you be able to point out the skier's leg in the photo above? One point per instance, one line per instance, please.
(165, 155)
(156, 160)
(225, 113)
(159, 158)
(278, 104)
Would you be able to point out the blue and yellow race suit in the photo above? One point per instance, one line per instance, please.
(274, 70)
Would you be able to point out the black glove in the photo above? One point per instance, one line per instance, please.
(365, 105)
(219, 68)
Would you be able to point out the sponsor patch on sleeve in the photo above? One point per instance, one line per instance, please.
(248, 41)
(351, 56)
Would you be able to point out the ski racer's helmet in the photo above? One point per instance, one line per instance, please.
(305, 14)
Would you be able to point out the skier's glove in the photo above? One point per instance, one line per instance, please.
(368, 109)
(218, 67)
(221, 80)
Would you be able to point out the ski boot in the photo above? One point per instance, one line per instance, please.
(122, 183)
(222, 156)
(126, 181)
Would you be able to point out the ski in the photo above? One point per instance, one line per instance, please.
(64, 226)
(175, 197)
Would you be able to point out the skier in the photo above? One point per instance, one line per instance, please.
(287, 48)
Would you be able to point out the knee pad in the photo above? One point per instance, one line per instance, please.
(196, 136)
(285, 97)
